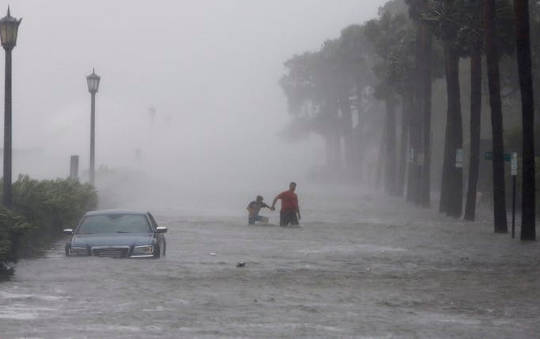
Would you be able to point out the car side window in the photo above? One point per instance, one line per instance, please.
(152, 220)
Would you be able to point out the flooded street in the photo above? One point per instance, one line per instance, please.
(347, 114)
(352, 269)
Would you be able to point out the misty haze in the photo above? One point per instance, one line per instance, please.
(235, 168)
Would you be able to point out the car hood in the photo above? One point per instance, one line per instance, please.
(112, 239)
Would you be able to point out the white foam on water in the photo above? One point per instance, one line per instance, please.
(449, 318)
(112, 328)
(17, 315)
(291, 326)
(23, 312)
(7, 295)
(351, 249)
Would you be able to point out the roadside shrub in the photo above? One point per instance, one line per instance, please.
(41, 209)
(51, 205)
(12, 226)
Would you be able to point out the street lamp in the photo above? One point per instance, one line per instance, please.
(93, 86)
(8, 35)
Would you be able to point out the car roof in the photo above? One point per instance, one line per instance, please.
(115, 212)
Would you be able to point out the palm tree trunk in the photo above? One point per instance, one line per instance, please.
(404, 134)
(381, 156)
(528, 231)
(452, 178)
(336, 149)
(413, 175)
(425, 194)
(476, 107)
(390, 147)
(329, 150)
(414, 185)
(492, 58)
(345, 107)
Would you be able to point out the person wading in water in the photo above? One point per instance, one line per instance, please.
(254, 208)
(290, 212)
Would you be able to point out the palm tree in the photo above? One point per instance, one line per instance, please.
(416, 121)
(528, 228)
(388, 34)
(492, 58)
(427, 39)
(444, 17)
(473, 41)
(452, 179)
(419, 187)
(476, 107)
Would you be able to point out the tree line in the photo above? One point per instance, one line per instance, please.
(371, 95)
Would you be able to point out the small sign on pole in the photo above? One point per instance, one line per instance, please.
(459, 158)
(489, 156)
(411, 154)
(514, 164)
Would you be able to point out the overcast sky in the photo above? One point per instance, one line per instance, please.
(209, 68)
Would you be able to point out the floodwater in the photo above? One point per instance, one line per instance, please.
(361, 265)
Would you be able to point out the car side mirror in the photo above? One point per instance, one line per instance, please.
(68, 231)
(161, 229)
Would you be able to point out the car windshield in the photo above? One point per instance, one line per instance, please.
(114, 223)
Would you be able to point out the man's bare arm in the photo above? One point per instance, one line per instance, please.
(274, 203)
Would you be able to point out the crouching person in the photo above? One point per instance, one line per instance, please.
(254, 208)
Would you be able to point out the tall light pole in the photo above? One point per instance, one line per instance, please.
(93, 86)
(8, 34)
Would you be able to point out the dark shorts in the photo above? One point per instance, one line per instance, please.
(288, 217)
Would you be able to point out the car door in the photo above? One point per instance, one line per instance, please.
(160, 237)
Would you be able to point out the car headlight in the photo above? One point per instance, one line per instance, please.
(146, 249)
(74, 250)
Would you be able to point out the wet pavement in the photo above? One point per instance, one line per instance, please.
(360, 266)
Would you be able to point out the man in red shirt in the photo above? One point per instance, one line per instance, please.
(290, 213)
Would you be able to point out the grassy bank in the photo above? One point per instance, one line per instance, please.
(41, 209)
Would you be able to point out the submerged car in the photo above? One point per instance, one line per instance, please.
(117, 234)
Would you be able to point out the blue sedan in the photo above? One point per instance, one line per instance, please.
(117, 234)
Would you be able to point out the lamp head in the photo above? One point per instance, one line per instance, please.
(93, 82)
(9, 27)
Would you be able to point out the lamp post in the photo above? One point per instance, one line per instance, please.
(93, 86)
(8, 35)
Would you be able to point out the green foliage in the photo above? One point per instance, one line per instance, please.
(316, 83)
(12, 227)
(394, 39)
(56, 203)
(41, 209)
(461, 23)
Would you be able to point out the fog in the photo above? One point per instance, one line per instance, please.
(189, 90)
(381, 116)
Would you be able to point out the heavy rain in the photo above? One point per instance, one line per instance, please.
(232, 168)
